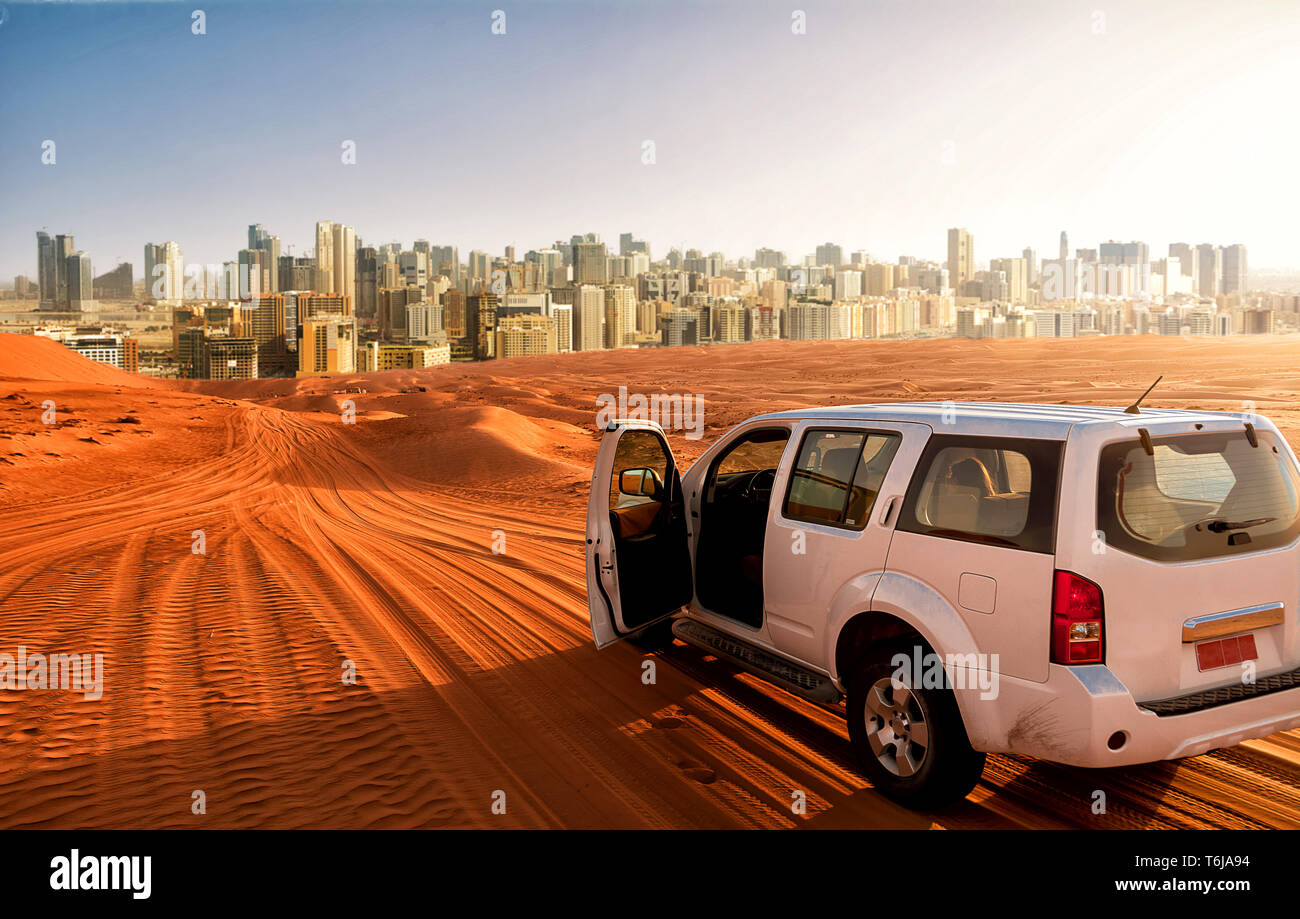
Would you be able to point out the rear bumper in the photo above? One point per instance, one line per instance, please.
(1073, 716)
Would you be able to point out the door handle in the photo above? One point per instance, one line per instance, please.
(889, 511)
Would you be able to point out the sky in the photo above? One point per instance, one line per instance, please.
(881, 125)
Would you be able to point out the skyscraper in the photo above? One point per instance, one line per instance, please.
(830, 254)
(588, 318)
(345, 261)
(589, 263)
(563, 316)
(164, 272)
(1209, 265)
(481, 324)
(258, 238)
(1065, 246)
(367, 283)
(1188, 258)
(46, 273)
(620, 316)
(81, 296)
(152, 257)
(325, 252)
(1234, 270)
(961, 258)
(63, 249)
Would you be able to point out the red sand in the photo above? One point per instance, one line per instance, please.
(371, 542)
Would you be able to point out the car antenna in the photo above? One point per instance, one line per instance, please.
(1133, 409)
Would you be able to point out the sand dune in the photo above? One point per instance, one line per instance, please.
(372, 543)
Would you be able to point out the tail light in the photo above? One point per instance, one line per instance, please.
(1078, 621)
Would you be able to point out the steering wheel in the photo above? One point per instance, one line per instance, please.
(760, 485)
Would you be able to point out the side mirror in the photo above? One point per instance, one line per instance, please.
(641, 482)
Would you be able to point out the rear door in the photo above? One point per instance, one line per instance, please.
(1195, 550)
(637, 558)
(977, 526)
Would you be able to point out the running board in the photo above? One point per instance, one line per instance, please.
(761, 663)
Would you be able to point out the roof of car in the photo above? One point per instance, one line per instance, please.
(1001, 418)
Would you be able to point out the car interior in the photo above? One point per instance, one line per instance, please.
(838, 475)
(733, 523)
(976, 490)
(648, 518)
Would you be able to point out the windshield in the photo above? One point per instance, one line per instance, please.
(1198, 496)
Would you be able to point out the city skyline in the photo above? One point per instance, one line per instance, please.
(500, 134)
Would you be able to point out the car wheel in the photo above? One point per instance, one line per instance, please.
(909, 739)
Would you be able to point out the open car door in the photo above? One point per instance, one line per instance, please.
(638, 561)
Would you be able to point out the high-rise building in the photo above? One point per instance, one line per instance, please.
(325, 255)
(164, 268)
(961, 257)
(391, 312)
(1188, 261)
(1031, 265)
(679, 327)
(117, 284)
(620, 316)
(808, 321)
(345, 261)
(481, 324)
(1234, 275)
(265, 323)
(297, 272)
(733, 322)
(259, 239)
(64, 247)
(414, 269)
(445, 260)
(311, 305)
(880, 279)
(46, 273)
(254, 273)
(1065, 246)
(229, 358)
(563, 316)
(830, 254)
(519, 336)
(1016, 275)
(848, 285)
(453, 312)
(81, 283)
(424, 322)
(1209, 265)
(588, 318)
(367, 283)
(327, 345)
(589, 263)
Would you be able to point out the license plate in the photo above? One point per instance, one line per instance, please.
(1224, 652)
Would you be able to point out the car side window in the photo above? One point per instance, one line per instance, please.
(640, 465)
(996, 490)
(837, 475)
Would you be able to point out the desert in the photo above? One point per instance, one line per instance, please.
(381, 622)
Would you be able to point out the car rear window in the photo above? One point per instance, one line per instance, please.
(1198, 496)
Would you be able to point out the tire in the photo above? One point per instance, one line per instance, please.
(919, 776)
(655, 637)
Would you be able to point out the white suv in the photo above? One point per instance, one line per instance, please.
(1101, 587)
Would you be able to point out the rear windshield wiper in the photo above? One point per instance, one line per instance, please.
(1219, 525)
